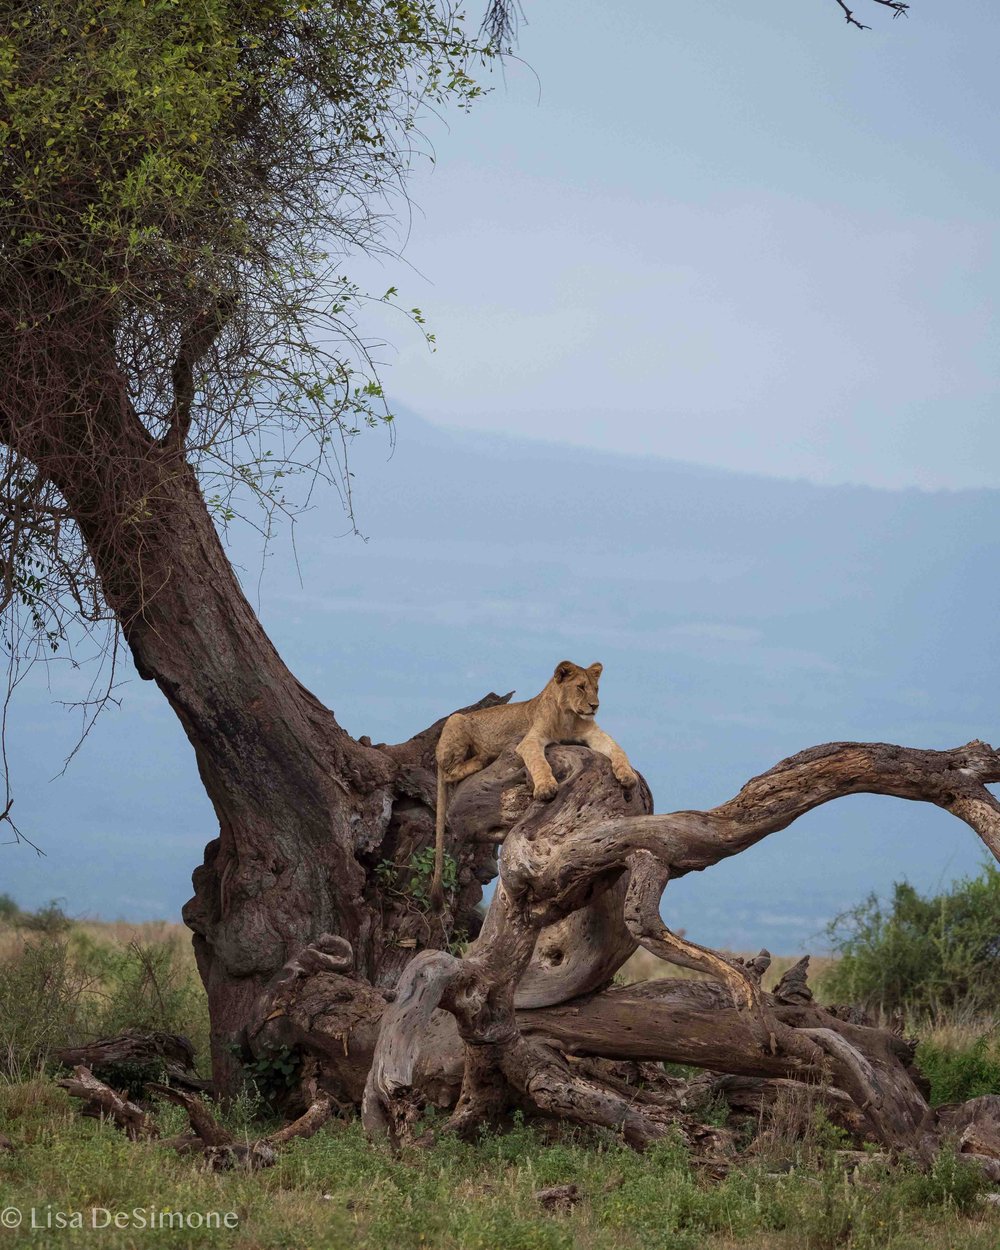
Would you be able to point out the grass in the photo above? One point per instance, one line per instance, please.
(68, 982)
(335, 1190)
(960, 1069)
(645, 966)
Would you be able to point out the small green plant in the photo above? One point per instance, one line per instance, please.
(827, 1136)
(951, 1182)
(957, 1075)
(414, 878)
(274, 1072)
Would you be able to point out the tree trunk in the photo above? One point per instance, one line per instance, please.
(304, 811)
(298, 801)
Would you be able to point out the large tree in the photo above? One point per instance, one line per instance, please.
(180, 183)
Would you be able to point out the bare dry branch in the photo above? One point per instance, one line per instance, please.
(898, 10)
(203, 1122)
(558, 859)
(103, 1099)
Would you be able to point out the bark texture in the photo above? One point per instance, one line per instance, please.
(558, 862)
(305, 813)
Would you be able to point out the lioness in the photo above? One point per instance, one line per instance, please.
(563, 712)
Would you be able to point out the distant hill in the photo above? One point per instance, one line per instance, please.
(739, 619)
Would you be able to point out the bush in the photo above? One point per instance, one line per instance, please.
(957, 1075)
(66, 988)
(49, 919)
(921, 954)
(42, 1005)
(10, 913)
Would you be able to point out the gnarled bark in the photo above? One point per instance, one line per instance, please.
(527, 1017)
(560, 860)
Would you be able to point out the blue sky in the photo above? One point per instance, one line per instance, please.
(744, 236)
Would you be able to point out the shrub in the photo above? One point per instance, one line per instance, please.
(921, 954)
(145, 987)
(42, 1005)
(65, 988)
(10, 913)
(49, 919)
(957, 1075)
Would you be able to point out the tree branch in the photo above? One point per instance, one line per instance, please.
(196, 340)
(898, 10)
(105, 1101)
(558, 860)
(689, 841)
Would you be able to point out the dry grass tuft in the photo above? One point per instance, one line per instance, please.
(645, 966)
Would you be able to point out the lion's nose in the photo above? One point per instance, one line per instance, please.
(594, 707)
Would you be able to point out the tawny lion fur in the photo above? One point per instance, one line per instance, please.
(562, 712)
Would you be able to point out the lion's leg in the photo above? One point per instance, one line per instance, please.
(604, 744)
(459, 772)
(531, 749)
(454, 744)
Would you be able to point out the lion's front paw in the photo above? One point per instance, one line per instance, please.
(546, 790)
(626, 776)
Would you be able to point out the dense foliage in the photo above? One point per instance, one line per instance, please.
(921, 953)
(159, 153)
(180, 184)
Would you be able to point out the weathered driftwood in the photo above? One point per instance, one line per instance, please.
(527, 1016)
(101, 1099)
(222, 1149)
(207, 1137)
(559, 861)
(679, 1021)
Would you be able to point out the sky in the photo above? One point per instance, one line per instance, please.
(743, 259)
(745, 236)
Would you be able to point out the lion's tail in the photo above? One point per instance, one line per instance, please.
(437, 890)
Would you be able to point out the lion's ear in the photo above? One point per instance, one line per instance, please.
(596, 669)
(564, 669)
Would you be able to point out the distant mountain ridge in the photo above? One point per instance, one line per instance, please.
(739, 619)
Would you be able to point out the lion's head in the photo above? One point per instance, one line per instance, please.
(576, 687)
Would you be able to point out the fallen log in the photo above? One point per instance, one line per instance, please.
(171, 1053)
(560, 859)
(208, 1136)
(527, 1017)
(100, 1099)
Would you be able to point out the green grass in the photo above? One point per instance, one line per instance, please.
(335, 1190)
(67, 982)
(957, 1075)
